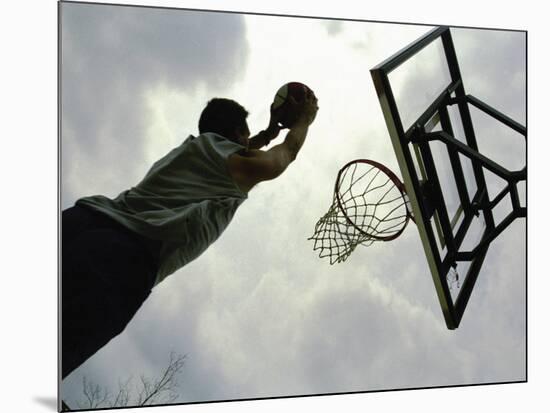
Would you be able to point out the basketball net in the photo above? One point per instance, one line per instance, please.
(369, 204)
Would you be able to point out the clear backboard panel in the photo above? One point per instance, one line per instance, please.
(420, 81)
(462, 197)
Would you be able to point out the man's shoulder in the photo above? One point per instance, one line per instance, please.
(245, 160)
(250, 153)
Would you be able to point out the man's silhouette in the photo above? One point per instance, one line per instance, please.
(114, 251)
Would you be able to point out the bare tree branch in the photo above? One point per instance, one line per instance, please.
(94, 394)
(123, 396)
(163, 390)
(166, 384)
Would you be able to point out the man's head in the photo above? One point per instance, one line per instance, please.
(227, 118)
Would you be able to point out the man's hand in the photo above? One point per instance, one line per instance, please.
(306, 111)
(273, 128)
(267, 135)
(276, 115)
(304, 114)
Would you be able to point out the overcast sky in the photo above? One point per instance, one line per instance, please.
(259, 314)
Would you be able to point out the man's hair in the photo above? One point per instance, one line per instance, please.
(222, 116)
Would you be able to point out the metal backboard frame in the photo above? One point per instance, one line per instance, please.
(425, 190)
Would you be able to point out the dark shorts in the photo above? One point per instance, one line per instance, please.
(107, 273)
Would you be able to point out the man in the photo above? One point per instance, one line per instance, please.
(114, 251)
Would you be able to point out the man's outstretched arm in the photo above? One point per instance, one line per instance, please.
(264, 137)
(267, 135)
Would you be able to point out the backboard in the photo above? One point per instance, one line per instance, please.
(433, 136)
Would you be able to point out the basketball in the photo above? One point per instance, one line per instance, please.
(295, 89)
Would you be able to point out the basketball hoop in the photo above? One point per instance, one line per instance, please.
(369, 204)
